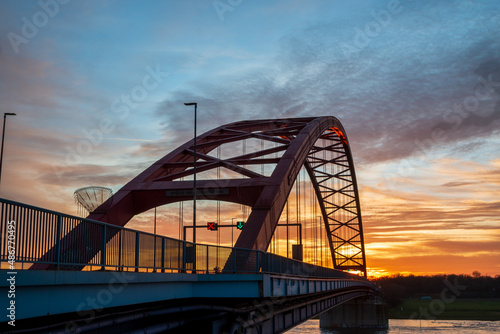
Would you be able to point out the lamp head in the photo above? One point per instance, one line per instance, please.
(9, 114)
(190, 104)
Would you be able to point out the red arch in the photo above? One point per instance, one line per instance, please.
(296, 137)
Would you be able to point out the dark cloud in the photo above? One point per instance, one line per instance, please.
(395, 96)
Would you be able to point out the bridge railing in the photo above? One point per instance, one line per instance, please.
(37, 238)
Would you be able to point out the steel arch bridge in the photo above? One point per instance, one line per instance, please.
(318, 144)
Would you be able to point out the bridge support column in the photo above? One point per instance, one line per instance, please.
(370, 313)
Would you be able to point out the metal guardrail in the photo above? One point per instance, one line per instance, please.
(38, 238)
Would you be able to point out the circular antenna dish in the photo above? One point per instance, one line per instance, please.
(89, 199)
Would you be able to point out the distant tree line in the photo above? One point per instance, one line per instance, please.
(398, 287)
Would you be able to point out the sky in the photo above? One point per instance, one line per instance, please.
(98, 88)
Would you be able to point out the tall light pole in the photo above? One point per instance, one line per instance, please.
(154, 246)
(194, 174)
(3, 139)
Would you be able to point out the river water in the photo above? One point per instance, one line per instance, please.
(413, 326)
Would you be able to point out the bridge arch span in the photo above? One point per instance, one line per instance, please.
(295, 144)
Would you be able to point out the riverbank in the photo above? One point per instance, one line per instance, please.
(436, 309)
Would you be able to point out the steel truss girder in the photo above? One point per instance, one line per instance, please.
(349, 224)
(266, 195)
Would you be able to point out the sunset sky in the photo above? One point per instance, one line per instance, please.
(416, 85)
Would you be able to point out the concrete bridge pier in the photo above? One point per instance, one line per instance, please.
(360, 313)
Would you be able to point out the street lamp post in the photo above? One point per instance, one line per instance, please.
(3, 139)
(154, 245)
(194, 173)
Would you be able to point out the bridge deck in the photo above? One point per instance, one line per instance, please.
(253, 290)
(58, 292)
